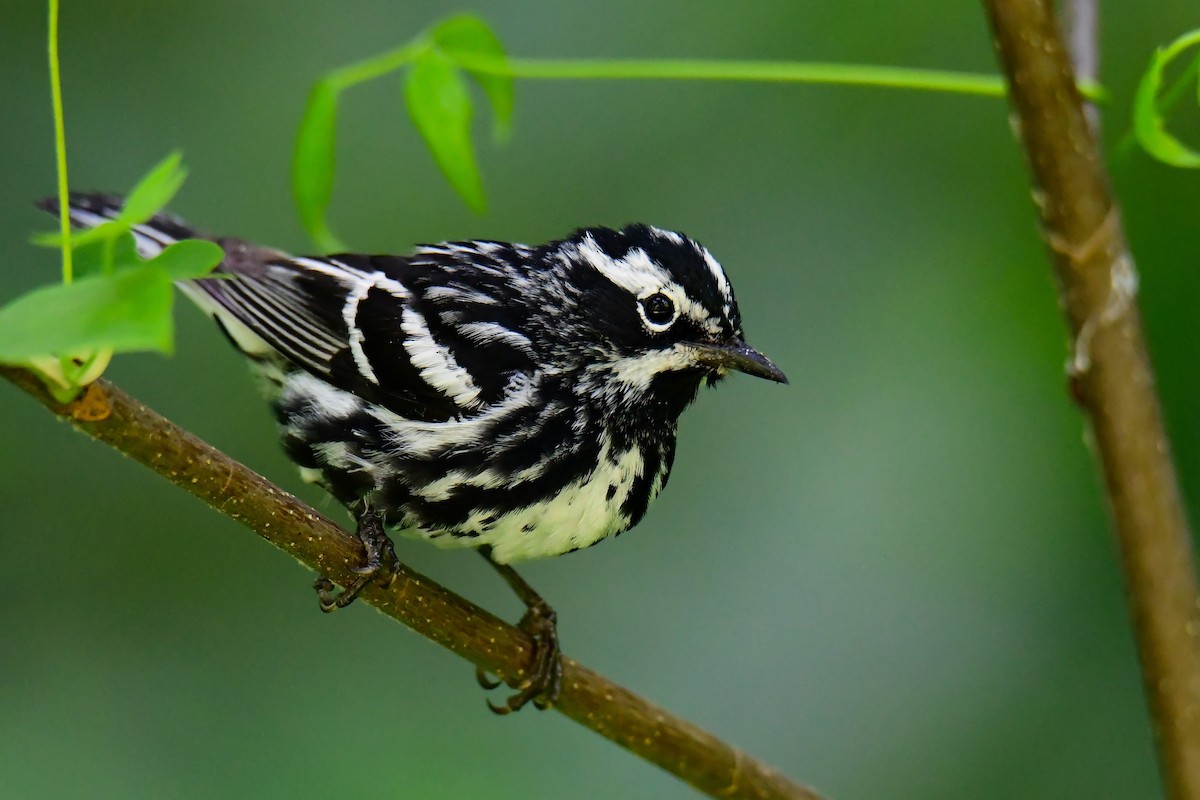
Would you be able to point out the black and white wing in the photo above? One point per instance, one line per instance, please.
(391, 330)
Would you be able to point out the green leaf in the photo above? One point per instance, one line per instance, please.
(466, 34)
(150, 195)
(189, 259)
(440, 106)
(83, 368)
(313, 164)
(113, 248)
(1149, 123)
(79, 238)
(127, 310)
(154, 190)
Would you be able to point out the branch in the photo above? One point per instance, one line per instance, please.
(1082, 21)
(109, 415)
(1111, 376)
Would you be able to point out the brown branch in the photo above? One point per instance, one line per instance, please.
(694, 755)
(1111, 375)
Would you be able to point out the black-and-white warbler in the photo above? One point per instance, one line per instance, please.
(519, 400)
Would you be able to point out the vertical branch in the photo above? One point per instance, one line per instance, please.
(1082, 20)
(1083, 29)
(1111, 375)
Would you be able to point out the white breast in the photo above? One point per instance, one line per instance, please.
(582, 514)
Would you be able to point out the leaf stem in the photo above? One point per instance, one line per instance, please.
(693, 69)
(756, 71)
(376, 66)
(60, 144)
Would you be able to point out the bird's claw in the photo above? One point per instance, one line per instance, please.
(485, 680)
(543, 684)
(381, 566)
(331, 601)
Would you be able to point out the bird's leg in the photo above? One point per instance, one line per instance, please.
(381, 562)
(544, 682)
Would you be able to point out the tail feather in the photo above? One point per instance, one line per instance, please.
(89, 210)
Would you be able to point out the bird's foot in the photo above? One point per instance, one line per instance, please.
(380, 566)
(543, 684)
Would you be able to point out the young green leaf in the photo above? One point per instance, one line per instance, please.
(468, 35)
(154, 190)
(127, 310)
(113, 249)
(85, 367)
(440, 106)
(79, 238)
(189, 259)
(108, 230)
(1149, 124)
(313, 164)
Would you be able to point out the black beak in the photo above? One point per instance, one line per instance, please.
(736, 355)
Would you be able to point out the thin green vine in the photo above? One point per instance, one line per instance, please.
(60, 144)
(694, 69)
(376, 66)
(110, 300)
(464, 45)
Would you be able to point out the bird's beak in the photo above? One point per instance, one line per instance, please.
(736, 355)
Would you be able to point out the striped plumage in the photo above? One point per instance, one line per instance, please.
(486, 394)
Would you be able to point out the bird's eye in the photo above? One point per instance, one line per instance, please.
(658, 310)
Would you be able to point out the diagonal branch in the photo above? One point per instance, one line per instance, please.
(694, 755)
(1111, 375)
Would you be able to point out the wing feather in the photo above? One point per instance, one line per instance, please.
(424, 336)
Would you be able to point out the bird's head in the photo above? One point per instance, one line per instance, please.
(658, 315)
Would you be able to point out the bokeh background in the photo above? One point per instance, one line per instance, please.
(893, 578)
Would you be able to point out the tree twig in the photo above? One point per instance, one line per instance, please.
(109, 415)
(1111, 375)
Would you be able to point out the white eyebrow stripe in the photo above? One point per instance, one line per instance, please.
(636, 273)
(639, 275)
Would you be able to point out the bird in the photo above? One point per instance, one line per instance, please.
(519, 400)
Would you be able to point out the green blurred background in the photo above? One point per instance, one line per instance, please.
(893, 578)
